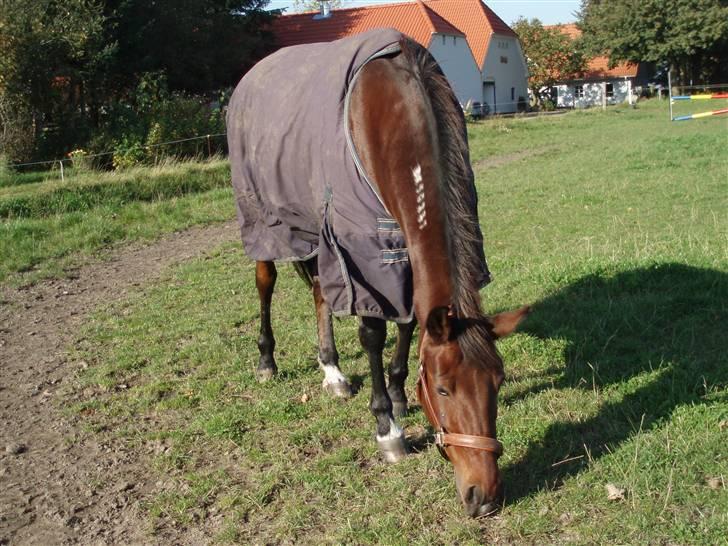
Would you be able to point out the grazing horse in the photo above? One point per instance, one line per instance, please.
(350, 159)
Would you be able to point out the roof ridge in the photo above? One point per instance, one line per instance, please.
(353, 8)
(426, 15)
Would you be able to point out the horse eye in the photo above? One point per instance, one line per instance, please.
(442, 392)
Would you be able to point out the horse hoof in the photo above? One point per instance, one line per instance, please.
(265, 374)
(399, 409)
(393, 450)
(340, 389)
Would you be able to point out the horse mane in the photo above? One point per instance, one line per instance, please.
(457, 194)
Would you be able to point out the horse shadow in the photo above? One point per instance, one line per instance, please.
(662, 329)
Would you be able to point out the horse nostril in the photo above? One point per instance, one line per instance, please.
(487, 509)
(472, 500)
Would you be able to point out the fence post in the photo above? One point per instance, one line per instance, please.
(60, 162)
(669, 90)
(209, 149)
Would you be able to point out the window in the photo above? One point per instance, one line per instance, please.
(454, 40)
(504, 60)
(513, 93)
(610, 90)
(579, 91)
(443, 39)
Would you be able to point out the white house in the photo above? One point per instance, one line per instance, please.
(599, 84)
(479, 54)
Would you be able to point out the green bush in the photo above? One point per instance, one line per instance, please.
(138, 127)
(128, 153)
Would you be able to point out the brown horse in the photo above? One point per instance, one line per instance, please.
(408, 135)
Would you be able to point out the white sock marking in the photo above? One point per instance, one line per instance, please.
(394, 432)
(332, 374)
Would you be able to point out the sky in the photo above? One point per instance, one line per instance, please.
(549, 12)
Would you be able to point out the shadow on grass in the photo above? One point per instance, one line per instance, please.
(662, 328)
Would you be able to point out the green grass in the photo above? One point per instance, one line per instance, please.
(49, 226)
(613, 225)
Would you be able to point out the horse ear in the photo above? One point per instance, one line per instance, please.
(439, 325)
(504, 324)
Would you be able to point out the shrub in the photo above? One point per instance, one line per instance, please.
(128, 153)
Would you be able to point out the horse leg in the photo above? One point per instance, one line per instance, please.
(399, 369)
(372, 334)
(265, 280)
(335, 382)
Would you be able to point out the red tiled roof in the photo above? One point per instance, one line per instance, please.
(598, 67)
(418, 19)
(476, 20)
(411, 18)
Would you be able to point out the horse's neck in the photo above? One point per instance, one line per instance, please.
(427, 245)
(393, 129)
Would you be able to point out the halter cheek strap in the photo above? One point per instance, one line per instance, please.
(444, 439)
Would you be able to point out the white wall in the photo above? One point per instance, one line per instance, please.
(592, 94)
(454, 57)
(511, 74)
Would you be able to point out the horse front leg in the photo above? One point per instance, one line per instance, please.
(335, 383)
(265, 281)
(372, 334)
(399, 368)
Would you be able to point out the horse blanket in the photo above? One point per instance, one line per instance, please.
(299, 186)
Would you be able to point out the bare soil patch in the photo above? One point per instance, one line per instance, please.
(59, 484)
(505, 159)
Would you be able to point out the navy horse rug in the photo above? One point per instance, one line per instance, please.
(299, 186)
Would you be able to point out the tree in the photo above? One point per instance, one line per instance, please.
(315, 5)
(67, 66)
(49, 47)
(551, 56)
(199, 44)
(691, 36)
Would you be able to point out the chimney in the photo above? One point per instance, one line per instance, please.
(325, 12)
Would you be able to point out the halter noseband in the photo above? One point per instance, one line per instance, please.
(444, 438)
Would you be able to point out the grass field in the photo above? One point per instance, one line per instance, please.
(613, 225)
(48, 226)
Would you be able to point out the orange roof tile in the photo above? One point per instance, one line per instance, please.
(418, 19)
(476, 20)
(411, 18)
(598, 67)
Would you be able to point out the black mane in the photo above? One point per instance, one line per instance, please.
(457, 194)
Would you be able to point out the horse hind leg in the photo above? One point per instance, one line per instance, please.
(265, 280)
(390, 437)
(335, 383)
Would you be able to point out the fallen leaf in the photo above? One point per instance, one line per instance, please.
(723, 424)
(614, 492)
(304, 398)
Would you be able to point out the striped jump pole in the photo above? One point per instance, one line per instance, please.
(702, 97)
(702, 115)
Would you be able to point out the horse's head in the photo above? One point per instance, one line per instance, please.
(460, 374)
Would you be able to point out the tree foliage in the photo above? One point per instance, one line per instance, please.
(67, 65)
(315, 5)
(689, 35)
(551, 56)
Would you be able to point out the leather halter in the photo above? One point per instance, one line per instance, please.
(444, 438)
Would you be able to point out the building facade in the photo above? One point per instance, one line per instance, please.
(479, 54)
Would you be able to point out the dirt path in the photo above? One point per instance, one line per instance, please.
(59, 485)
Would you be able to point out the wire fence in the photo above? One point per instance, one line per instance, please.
(62, 165)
